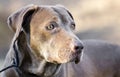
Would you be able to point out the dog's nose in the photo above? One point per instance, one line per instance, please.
(78, 47)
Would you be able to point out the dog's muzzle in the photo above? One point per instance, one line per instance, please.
(77, 48)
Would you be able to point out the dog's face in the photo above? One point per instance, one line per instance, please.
(51, 34)
(52, 37)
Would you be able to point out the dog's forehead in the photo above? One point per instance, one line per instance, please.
(49, 13)
(64, 14)
(43, 14)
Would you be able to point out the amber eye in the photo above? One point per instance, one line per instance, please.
(50, 27)
(73, 26)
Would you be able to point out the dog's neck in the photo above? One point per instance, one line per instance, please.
(41, 68)
(29, 64)
(44, 69)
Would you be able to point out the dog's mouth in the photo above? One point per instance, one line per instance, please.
(76, 58)
(70, 56)
(65, 57)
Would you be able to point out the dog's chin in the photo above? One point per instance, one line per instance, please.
(71, 58)
(76, 59)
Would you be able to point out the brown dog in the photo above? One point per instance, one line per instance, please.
(44, 45)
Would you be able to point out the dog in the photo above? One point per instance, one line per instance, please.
(44, 45)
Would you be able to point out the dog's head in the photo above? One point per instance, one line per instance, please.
(50, 32)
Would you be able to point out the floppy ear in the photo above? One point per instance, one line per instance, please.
(15, 21)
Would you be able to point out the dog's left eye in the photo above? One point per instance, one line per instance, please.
(72, 26)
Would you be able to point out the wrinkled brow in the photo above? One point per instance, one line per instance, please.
(62, 16)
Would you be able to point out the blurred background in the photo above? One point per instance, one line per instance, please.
(95, 19)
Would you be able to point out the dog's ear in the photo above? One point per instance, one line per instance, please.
(16, 20)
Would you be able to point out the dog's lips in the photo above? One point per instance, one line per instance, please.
(77, 60)
(76, 57)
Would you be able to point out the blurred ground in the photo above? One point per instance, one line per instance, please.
(95, 19)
